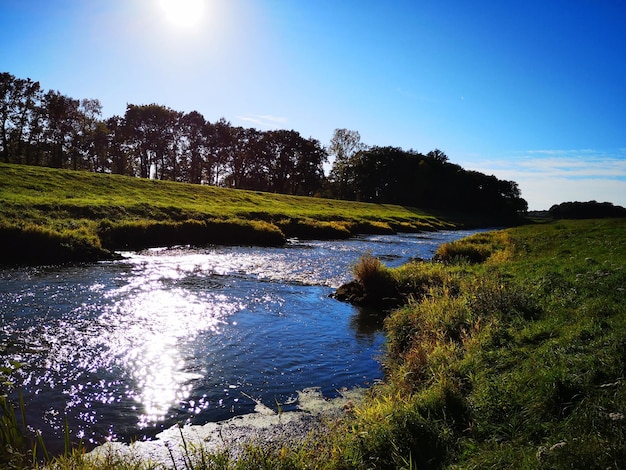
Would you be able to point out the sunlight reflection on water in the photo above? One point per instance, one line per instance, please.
(125, 348)
(146, 322)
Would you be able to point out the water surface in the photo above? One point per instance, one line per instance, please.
(126, 348)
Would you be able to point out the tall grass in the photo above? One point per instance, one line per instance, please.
(514, 359)
(146, 233)
(20, 446)
(477, 248)
(531, 347)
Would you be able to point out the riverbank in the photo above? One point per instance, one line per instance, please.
(511, 353)
(186, 446)
(51, 216)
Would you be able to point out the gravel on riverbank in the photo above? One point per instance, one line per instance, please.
(173, 446)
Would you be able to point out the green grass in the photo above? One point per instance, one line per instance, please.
(85, 214)
(517, 361)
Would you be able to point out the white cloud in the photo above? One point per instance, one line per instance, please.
(548, 177)
(264, 120)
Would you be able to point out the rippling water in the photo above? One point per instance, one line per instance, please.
(123, 349)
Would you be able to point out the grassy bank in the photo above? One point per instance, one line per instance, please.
(79, 215)
(510, 352)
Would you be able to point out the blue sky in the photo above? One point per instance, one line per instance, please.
(531, 91)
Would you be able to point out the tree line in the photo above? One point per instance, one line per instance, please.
(396, 176)
(586, 210)
(48, 128)
(51, 129)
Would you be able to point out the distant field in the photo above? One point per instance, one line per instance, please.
(87, 214)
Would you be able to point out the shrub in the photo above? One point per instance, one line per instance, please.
(477, 248)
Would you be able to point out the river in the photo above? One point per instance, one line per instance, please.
(124, 349)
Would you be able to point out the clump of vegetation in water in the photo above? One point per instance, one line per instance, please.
(373, 286)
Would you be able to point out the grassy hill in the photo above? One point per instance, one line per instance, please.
(49, 215)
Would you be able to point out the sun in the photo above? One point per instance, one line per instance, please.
(183, 13)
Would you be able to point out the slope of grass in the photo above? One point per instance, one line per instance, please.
(98, 212)
(511, 355)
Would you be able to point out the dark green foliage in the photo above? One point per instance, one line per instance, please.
(392, 175)
(586, 210)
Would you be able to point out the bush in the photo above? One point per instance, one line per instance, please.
(477, 248)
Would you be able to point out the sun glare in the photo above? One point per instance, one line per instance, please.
(183, 13)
